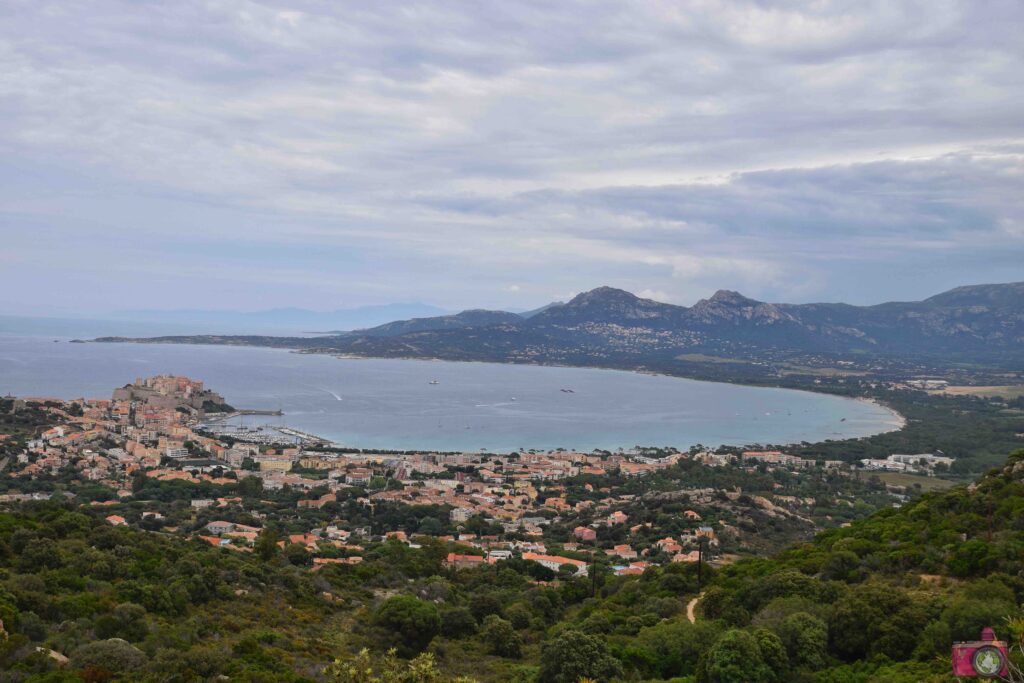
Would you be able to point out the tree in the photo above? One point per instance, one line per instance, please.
(967, 616)
(735, 656)
(859, 617)
(201, 663)
(457, 622)
(672, 648)
(566, 571)
(484, 604)
(297, 554)
(408, 622)
(773, 653)
(30, 625)
(840, 565)
(126, 621)
(935, 639)
(113, 656)
(40, 553)
(971, 558)
(785, 583)
(573, 655)
(266, 544)
(431, 526)
(501, 638)
(250, 487)
(597, 622)
(806, 640)
(519, 615)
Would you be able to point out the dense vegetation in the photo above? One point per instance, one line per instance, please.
(977, 431)
(884, 599)
(20, 421)
(879, 601)
(141, 606)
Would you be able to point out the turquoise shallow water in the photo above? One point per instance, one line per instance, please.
(392, 403)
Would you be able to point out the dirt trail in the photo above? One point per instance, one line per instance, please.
(690, 606)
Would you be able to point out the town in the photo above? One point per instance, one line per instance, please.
(158, 455)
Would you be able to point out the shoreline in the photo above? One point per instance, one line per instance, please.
(893, 421)
(900, 419)
(896, 422)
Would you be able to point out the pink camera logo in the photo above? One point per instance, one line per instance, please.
(985, 658)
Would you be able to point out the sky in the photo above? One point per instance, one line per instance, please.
(247, 155)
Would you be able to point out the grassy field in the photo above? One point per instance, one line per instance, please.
(703, 358)
(927, 483)
(1008, 391)
(784, 369)
(789, 369)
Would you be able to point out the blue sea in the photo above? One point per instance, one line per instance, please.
(410, 404)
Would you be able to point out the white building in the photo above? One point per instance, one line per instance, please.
(460, 514)
(883, 465)
(922, 459)
(553, 562)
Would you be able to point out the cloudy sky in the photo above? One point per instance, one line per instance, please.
(245, 155)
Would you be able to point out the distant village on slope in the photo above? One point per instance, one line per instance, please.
(173, 429)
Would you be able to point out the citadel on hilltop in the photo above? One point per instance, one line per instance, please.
(172, 392)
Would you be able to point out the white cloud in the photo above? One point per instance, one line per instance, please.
(784, 148)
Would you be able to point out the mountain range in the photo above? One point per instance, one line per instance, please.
(968, 324)
(282, 320)
(983, 321)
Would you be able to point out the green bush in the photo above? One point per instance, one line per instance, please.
(408, 623)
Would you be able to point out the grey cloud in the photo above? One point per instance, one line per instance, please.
(530, 148)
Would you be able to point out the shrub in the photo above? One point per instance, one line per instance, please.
(501, 638)
(409, 623)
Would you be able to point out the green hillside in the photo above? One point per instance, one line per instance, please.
(880, 601)
(888, 595)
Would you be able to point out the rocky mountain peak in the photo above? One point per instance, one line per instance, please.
(603, 295)
(609, 305)
(728, 305)
(731, 298)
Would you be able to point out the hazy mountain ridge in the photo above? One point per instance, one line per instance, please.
(283, 320)
(964, 323)
(959, 320)
(470, 318)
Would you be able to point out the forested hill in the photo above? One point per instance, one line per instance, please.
(878, 602)
(884, 599)
(979, 323)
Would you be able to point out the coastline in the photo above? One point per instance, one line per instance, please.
(900, 420)
(891, 421)
(896, 422)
